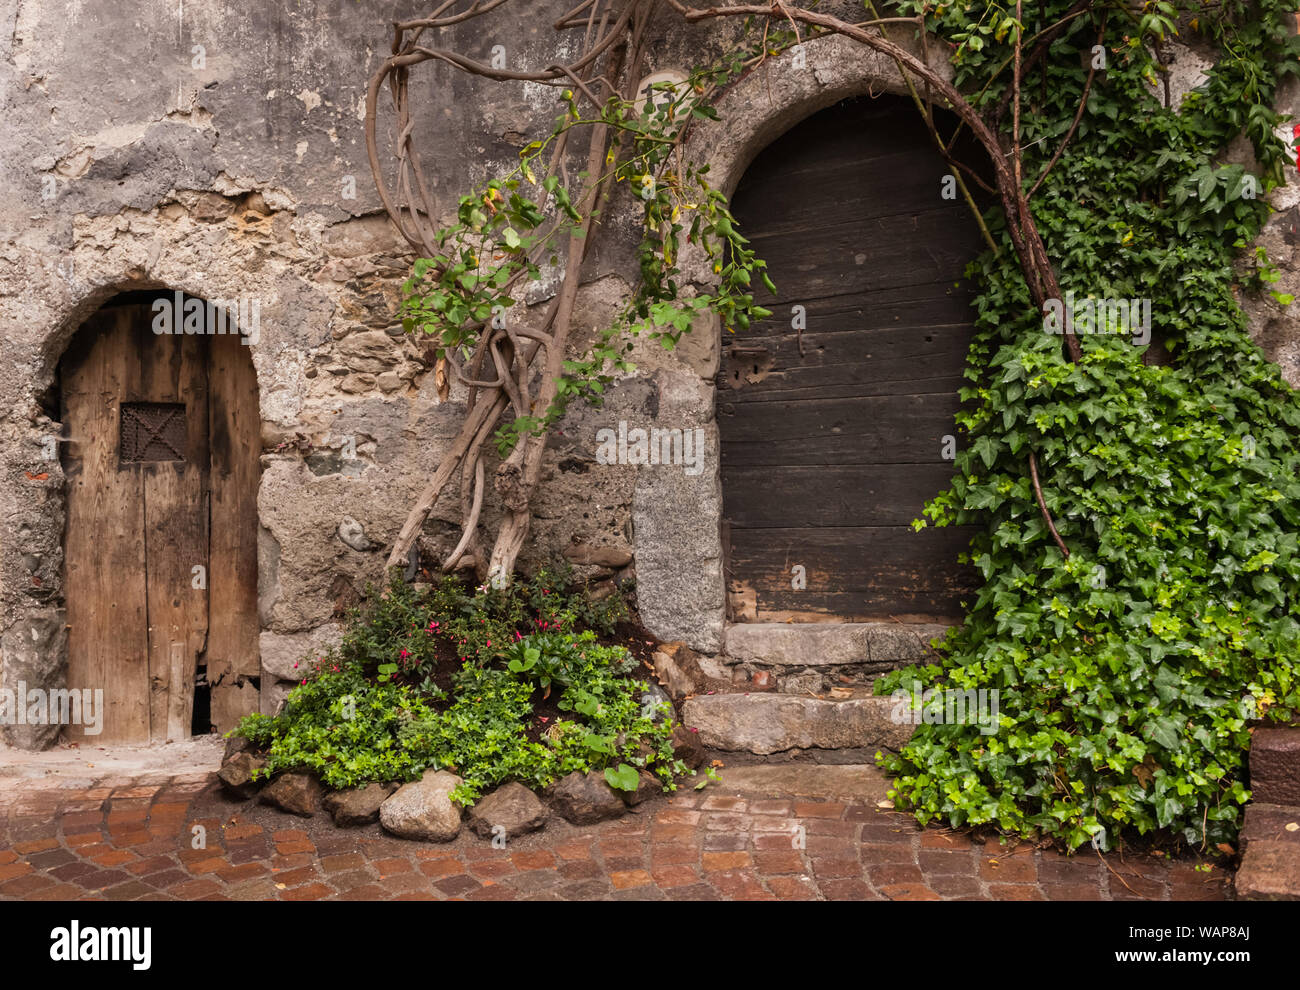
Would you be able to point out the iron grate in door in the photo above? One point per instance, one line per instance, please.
(152, 431)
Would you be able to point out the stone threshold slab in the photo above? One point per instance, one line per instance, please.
(772, 723)
(812, 644)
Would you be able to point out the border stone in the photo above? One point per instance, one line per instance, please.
(811, 644)
(1275, 765)
(423, 809)
(770, 723)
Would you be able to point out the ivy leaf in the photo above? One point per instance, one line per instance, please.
(1165, 732)
(986, 447)
(1208, 180)
(625, 778)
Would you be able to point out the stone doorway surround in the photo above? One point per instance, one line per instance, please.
(677, 518)
(34, 634)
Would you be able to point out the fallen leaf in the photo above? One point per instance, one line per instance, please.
(1292, 827)
(1226, 849)
(1144, 771)
(885, 804)
(36, 477)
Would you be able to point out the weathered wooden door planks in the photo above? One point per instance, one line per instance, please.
(233, 660)
(832, 435)
(104, 551)
(161, 534)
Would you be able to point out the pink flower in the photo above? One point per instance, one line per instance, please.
(405, 654)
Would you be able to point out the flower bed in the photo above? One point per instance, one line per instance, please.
(529, 685)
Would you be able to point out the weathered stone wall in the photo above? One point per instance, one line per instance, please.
(217, 147)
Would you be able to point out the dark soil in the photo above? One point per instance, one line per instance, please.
(630, 635)
(546, 711)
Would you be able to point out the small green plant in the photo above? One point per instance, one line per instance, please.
(710, 776)
(624, 778)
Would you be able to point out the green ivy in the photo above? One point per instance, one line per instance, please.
(1130, 674)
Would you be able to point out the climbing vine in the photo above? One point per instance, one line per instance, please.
(1132, 660)
(463, 293)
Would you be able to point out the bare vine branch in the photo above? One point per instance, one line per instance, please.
(1042, 505)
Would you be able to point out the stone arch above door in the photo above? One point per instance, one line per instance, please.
(764, 104)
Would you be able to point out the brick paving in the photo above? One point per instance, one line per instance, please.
(134, 840)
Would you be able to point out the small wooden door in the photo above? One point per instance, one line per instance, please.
(160, 546)
(832, 417)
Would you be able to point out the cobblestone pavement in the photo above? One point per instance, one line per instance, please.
(131, 839)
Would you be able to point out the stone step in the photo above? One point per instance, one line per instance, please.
(1268, 823)
(811, 657)
(1270, 854)
(774, 723)
(1275, 766)
(822, 644)
(1270, 835)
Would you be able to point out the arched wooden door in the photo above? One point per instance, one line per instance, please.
(832, 413)
(160, 549)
